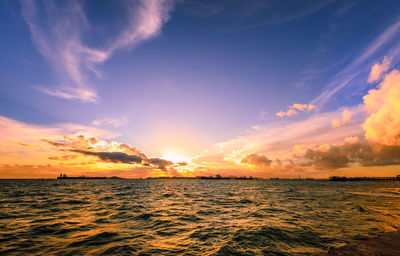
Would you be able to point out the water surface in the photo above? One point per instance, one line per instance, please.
(191, 217)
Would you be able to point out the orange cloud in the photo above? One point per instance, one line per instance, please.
(378, 69)
(383, 106)
(296, 106)
(346, 118)
(34, 151)
(302, 107)
(256, 160)
(290, 112)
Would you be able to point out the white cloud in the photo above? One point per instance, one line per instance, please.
(57, 33)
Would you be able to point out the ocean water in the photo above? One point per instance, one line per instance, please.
(191, 217)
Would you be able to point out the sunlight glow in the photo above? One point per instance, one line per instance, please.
(175, 156)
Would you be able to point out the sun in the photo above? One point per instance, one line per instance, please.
(175, 156)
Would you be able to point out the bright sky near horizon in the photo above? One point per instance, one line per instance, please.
(263, 88)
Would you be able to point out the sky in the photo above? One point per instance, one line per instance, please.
(149, 88)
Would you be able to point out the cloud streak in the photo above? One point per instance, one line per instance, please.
(353, 70)
(57, 30)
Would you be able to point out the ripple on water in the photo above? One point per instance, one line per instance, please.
(98, 239)
(190, 217)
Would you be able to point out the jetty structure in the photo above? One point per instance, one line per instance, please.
(365, 179)
(219, 177)
(65, 177)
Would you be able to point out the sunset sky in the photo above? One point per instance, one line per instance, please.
(262, 88)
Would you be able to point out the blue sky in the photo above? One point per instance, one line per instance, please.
(187, 75)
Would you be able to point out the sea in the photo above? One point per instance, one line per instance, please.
(192, 216)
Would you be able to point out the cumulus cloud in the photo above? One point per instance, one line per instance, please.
(333, 158)
(362, 153)
(382, 132)
(383, 106)
(112, 152)
(378, 70)
(346, 118)
(57, 29)
(256, 159)
(159, 162)
(293, 109)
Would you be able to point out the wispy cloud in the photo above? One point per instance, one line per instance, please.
(57, 30)
(115, 122)
(351, 71)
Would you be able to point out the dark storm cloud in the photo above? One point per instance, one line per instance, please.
(114, 157)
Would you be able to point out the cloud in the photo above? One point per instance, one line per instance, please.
(115, 122)
(22, 143)
(383, 106)
(63, 158)
(353, 70)
(114, 157)
(57, 29)
(382, 132)
(290, 112)
(381, 146)
(256, 159)
(351, 140)
(366, 154)
(333, 158)
(296, 106)
(160, 163)
(112, 152)
(145, 22)
(378, 69)
(302, 107)
(346, 118)
(277, 140)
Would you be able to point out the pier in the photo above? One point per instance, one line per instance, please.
(365, 179)
(65, 177)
